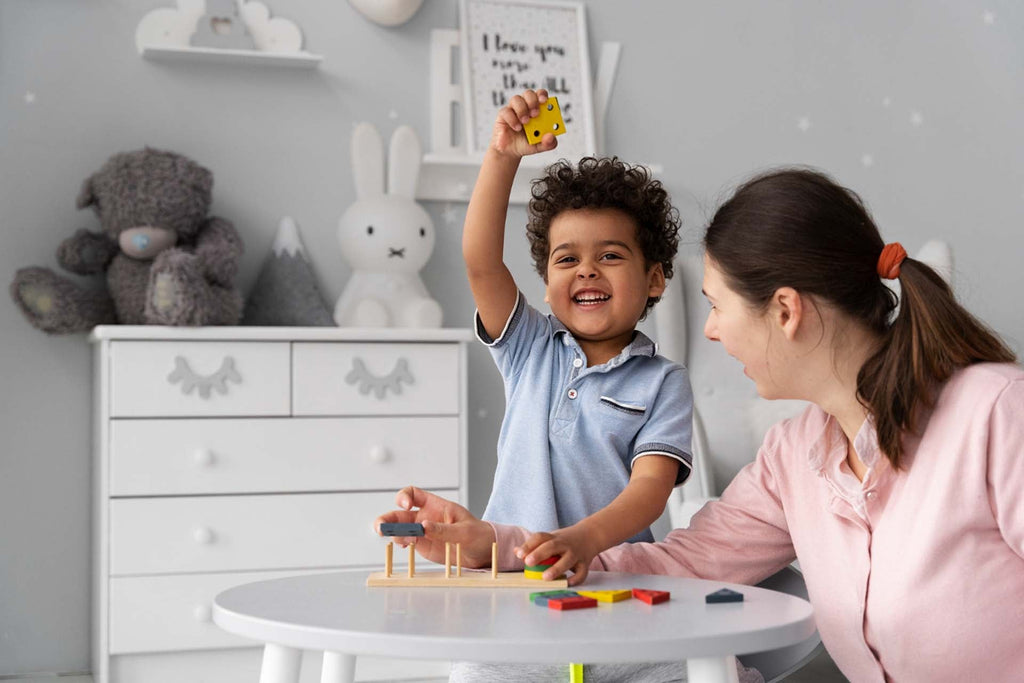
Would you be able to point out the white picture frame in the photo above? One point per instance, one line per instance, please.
(510, 45)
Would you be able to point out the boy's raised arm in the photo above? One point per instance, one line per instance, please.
(483, 237)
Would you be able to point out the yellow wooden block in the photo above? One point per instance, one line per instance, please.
(575, 673)
(608, 596)
(538, 576)
(548, 121)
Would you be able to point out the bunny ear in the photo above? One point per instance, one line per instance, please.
(367, 160)
(404, 158)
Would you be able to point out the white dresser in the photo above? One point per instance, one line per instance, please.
(225, 455)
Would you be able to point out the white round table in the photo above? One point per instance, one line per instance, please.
(338, 614)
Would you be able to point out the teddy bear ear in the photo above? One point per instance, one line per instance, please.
(86, 195)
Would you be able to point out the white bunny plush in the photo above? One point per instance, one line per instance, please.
(386, 237)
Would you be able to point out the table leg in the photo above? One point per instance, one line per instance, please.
(280, 664)
(338, 668)
(712, 670)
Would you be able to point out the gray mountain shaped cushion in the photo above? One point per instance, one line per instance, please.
(286, 293)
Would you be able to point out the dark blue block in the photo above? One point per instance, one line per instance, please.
(401, 529)
(724, 595)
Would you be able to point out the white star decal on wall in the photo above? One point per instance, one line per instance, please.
(916, 119)
(393, 115)
(30, 97)
(803, 123)
(449, 215)
(989, 17)
(886, 101)
(867, 160)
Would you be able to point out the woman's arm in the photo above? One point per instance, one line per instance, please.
(1006, 464)
(741, 538)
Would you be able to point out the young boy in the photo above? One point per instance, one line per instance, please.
(597, 426)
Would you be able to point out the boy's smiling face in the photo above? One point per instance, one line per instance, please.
(598, 280)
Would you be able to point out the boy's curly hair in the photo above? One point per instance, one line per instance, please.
(605, 183)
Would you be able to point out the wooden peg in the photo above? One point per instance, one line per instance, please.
(412, 560)
(447, 560)
(388, 555)
(494, 560)
(458, 559)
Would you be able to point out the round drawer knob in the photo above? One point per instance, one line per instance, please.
(203, 613)
(203, 457)
(203, 535)
(379, 454)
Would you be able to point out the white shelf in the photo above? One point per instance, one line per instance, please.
(450, 177)
(302, 60)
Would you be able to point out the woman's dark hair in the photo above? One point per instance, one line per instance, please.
(798, 228)
(605, 183)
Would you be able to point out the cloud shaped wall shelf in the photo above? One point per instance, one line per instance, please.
(165, 34)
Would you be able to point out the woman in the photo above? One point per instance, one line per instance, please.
(900, 490)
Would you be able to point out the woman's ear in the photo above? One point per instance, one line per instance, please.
(786, 310)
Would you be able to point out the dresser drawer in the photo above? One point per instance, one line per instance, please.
(199, 378)
(176, 457)
(168, 613)
(246, 533)
(376, 379)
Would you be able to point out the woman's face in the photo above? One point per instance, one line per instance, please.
(744, 332)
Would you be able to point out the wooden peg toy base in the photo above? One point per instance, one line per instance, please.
(484, 579)
(446, 579)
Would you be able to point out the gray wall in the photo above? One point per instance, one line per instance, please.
(710, 90)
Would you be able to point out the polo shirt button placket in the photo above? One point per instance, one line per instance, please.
(577, 362)
(572, 394)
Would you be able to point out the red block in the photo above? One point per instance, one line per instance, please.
(651, 597)
(571, 603)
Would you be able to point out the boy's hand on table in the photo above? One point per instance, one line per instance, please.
(443, 522)
(573, 546)
(508, 137)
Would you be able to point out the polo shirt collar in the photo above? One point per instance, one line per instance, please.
(640, 346)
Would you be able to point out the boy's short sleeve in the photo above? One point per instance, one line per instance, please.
(669, 429)
(525, 327)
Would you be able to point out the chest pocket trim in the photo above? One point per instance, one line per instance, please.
(631, 408)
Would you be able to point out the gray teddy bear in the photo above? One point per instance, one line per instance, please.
(166, 261)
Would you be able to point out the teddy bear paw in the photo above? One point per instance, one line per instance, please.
(176, 290)
(57, 306)
(35, 292)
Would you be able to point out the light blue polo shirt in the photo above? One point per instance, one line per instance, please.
(571, 433)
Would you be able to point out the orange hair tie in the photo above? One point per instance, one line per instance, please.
(890, 259)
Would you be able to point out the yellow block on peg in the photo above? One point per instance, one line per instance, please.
(548, 121)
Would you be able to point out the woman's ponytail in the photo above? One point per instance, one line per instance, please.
(931, 337)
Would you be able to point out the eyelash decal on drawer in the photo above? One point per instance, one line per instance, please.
(190, 379)
(631, 408)
(379, 385)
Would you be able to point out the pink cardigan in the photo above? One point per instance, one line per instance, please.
(915, 575)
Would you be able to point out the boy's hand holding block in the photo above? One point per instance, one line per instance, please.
(548, 121)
